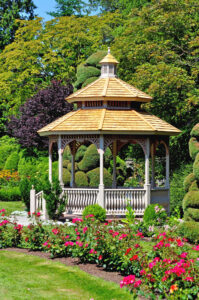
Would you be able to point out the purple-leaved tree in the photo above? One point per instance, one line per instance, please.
(40, 110)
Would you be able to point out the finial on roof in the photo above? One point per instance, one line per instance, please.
(109, 50)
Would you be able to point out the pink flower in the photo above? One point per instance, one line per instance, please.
(92, 251)
(75, 220)
(189, 278)
(127, 251)
(86, 245)
(183, 254)
(127, 280)
(67, 237)
(2, 210)
(85, 229)
(55, 231)
(38, 214)
(136, 245)
(167, 245)
(137, 283)
(142, 272)
(123, 236)
(69, 243)
(134, 257)
(196, 248)
(45, 244)
(115, 233)
(79, 244)
(18, 227)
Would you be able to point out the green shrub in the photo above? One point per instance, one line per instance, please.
(177, 191)
(96, 210)
(80, 153)
(155, 214)
(189, 230)
(94, 177)
(65, 163)
(192, 214)
(27, 166)
(194, 186)
(84, 73)
(191, 199)
(88, 81)
(196, 167)
(10, 194)
(195, 130)
(55, 200)
(193, 147)
(90, 159)
(70, 166)
(25, 187)
(7, 146)
(95, 58)
(188, 181)
(66, 177)
(107, 158)
(12, 161)
(67, 153)
(81, 179)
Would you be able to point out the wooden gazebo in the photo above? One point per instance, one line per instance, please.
(109, 115)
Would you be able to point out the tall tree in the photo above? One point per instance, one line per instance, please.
(10, 10)
(46, 106)
(69, 8)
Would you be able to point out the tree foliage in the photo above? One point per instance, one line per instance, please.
(38, 111)
(10, 10)
(69, 8)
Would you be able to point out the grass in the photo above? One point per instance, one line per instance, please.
(11, 206)
(28, 277)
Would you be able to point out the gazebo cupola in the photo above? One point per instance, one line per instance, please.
(108, 114)
(108, 65)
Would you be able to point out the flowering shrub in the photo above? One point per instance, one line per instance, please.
(155, 214)
(163, 265)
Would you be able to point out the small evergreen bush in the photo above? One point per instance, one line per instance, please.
(55, 200)
(25, 187)
(193, 147)
(189, 230)
(191, 199)
(95, 58)
(188, 181)
(96, 210)
(155, 214)
(66, 177)
(196, 167)
(80, 153)
(10, 194)
(90, 159)
(192, 214)
(81, 179)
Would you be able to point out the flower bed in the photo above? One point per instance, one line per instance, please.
(161, 265)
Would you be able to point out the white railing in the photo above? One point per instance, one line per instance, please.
(79, 198)
(39, 201)
(116, 200)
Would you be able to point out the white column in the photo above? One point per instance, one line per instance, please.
(50, 162)
(32, 200)
(72, 181)
(147, 183)
(60, 163)
(153, 166)
(101, 184)
(167, 167)
(114, 164)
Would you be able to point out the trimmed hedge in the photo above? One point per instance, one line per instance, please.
(67, 153)
(193, 147)
(191, 199)
(189, 230)
(194, 186)
(195, 130)
(66, 177)
(81, 179)
(95, 58)
(70, 166)
(10, 194)
(94, 177)
(196, 167)
(191, 214)
(65, 163)
(90, 159)
(188, 181)
(12, 161)
(80, 153)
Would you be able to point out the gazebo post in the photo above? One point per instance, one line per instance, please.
(101, 184)
(60, 161)
(50, 162)
(72, 182)
(147, 185)
(167, 167)
(153, 165)
(114, 164)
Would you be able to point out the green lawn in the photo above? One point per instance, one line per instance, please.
(28, 277)
(11, 206)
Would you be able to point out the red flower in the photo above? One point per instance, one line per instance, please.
(127, 251)
(100, 257)
(134, 257)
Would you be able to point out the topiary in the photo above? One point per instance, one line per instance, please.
(191, 199)
(12, 161)
(188, 181)
(95, 58)
(84, 73)
(88, 81)
(66, 177)
(65, 163)
(96, 210)
(69, 167)
(189, 230)
(80, 153)
(155, 214)
(192, 214)
(196, 167)
(107, 158)
(195, 131)
(81, 179)
(194, 186)
(67, 154)
(90, 159)
(193, 147)
(94, 177)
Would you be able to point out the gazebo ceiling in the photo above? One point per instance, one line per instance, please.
(110, 88)
(109, 121)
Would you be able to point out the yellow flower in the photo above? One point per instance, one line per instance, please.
(173, 288)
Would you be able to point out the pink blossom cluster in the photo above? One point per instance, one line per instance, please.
(55, 231)
(77, 220)
(19, 227)
(69, 243)
(130, 280)
(4, 222)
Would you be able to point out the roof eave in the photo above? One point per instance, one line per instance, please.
(104, 98)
